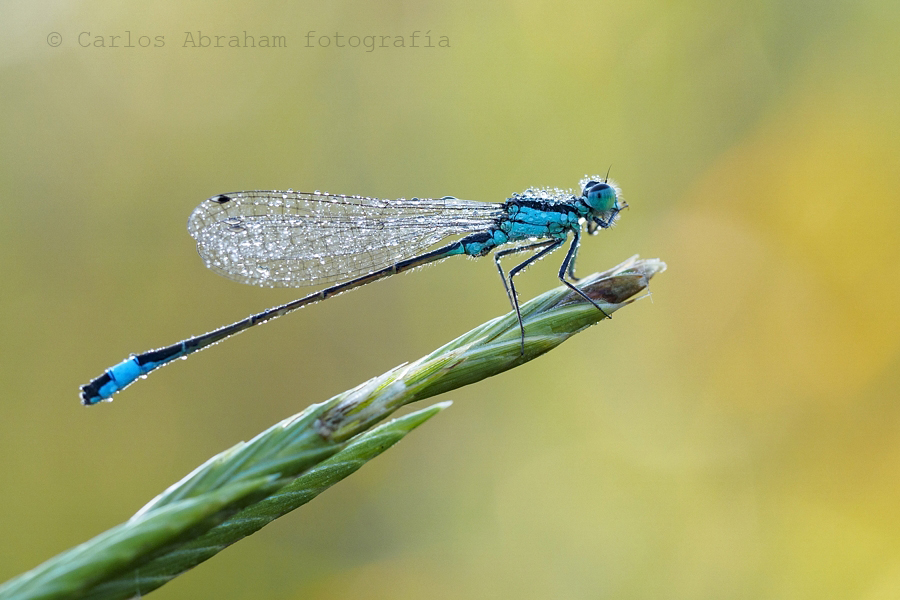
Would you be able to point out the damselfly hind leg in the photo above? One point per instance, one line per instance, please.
(547, 247)
(516, 250)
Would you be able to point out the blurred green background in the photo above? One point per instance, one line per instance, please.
(737, 436)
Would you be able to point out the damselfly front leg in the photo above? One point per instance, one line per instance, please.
(568, 265)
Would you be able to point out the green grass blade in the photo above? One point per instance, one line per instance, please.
(293, 495)
(242, 489)
(72, 573)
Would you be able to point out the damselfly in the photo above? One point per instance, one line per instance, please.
(294, 239)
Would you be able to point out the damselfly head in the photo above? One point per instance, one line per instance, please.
(604, 200)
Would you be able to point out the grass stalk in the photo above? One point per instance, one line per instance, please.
(242, 489)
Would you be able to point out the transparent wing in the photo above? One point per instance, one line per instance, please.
(293, 239)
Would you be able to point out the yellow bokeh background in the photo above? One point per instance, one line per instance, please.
(736, 435)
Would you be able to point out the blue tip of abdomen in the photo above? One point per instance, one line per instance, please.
(113, 379)
(125, 373)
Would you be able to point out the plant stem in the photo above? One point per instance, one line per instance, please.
(240, 490)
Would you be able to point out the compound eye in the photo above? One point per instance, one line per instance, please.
(594, 187)
(600, 196)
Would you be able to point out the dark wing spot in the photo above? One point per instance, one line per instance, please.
(220, 199)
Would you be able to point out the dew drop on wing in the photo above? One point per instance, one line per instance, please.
(235, 224)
